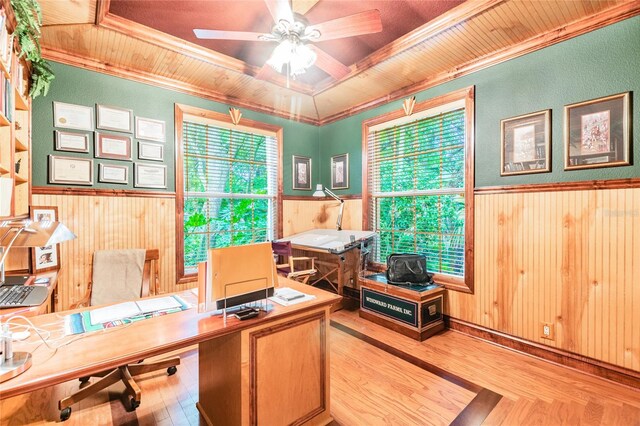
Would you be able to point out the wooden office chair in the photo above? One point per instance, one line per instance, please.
(120, 263)
(283, 250)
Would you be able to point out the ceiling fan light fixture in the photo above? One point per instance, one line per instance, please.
(292, 51)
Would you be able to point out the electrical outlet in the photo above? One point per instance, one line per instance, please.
(546, 330)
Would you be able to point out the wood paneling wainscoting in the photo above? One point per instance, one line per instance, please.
(302, 214)
(104, 222)
(568, 258)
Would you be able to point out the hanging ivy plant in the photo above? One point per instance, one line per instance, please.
(29, 20)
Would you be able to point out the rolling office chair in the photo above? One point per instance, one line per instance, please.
(120, 276)
(283, 249)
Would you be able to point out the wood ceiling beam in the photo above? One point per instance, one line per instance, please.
(102, 8)
(70, 58)
(192, 50)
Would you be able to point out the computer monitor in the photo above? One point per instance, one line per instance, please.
(237, 275)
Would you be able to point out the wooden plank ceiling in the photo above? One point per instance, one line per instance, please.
(469, 36)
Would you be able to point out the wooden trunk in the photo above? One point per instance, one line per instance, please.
(413, 311)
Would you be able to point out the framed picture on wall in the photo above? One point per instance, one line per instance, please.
(112, 173)
(150, 129)
(301, 173)
(74, 142)
(526, 144)
(45, 258)
(114, 118)
(597, 132)
(340, 171)
(150, 151)
(72, 116)
(115, 147)
(150, 176)
(70, 170)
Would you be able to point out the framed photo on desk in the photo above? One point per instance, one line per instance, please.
(45, 258)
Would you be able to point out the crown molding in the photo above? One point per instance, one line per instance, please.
(70, 58)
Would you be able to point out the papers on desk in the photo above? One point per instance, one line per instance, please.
(132, 309)
(122, 313)
(286, 296)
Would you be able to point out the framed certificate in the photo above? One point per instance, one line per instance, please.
(70, 170)
(72, 116)
(150, 129)
(150, 176)
(150, 151)
(74, 142)
(114, 118)
(113, 173)
(113, 146)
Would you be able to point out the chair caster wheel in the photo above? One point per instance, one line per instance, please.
(84, 380)
(65, 414)
(172, 370)
(130, 403)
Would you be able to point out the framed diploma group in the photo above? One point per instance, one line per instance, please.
(113, 144)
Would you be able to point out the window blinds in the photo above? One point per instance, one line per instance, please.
(230, 188)
(416, 185)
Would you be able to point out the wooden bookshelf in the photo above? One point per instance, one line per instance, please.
(15, 124)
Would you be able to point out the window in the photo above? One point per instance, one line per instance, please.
(419, 184)
(230, 184)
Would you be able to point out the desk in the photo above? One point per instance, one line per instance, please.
(337, 253)
(251, 372)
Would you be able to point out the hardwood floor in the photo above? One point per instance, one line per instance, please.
(379, 377)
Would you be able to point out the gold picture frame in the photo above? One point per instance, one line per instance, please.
(597, 133)
(526, 144)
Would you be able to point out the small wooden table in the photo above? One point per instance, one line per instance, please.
(415, 311)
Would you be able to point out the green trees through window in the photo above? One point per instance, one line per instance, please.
(230, 189)
(417, 190)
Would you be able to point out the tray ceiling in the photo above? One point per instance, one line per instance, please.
(180, 18)
(421, 43)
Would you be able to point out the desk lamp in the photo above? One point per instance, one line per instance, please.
(26, 234)
(30, 234)
(321, 192)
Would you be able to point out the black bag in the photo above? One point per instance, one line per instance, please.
(408, 269)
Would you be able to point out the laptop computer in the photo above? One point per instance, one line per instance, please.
(16, 296)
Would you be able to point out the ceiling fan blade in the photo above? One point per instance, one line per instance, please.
(280, 9)
(303, 6)
(360, 23)
(227, 35)
(329, 64)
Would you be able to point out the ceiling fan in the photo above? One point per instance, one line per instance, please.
(295, 51)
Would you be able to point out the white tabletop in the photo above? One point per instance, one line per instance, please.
(329, 239)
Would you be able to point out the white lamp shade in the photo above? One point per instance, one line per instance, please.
(319, 192)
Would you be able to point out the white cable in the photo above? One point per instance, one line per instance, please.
(47, 339)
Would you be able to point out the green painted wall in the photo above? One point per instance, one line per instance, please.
(600, 63)
(82, 87)
(597, 64)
